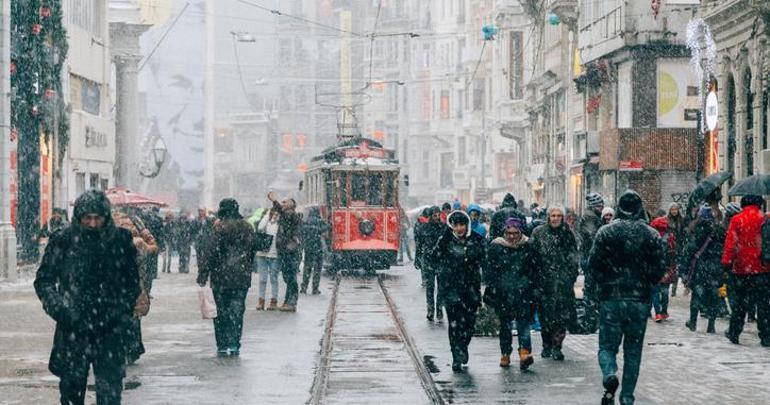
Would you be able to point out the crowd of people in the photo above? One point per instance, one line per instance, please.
(95, 279)
(524, 264)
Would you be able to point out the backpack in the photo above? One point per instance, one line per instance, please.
(765, 232)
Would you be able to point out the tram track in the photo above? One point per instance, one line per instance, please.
(367, 352)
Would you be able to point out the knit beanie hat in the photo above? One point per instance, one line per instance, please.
(594, 200)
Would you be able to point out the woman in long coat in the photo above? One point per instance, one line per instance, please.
(557, 255)
(458, 256)
(508, 276)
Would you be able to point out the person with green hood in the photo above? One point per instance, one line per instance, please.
(88, 282)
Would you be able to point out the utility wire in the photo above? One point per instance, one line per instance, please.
(371, 43)
(165, 34)
(476, 69)
(240, 71)
(305, 20)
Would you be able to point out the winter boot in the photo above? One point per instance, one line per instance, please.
(547, 353)
(429, 315)
(316, 291)
(557, 354)
(732, 338)
(658, 318)
(440, 314)
(691, 324)
(288, 308)
(505, 360)
(261, 304)
(711, 328)
(525, 359)
(273, 305)
(611, 384)
(457, 366)
(465, 356)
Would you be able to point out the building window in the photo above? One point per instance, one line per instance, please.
(478, 94)
(461, 151)
(80, 183)
(105, 184)
(85, 95)
(426, 165)
(516, 66)
(444, 104)
(93, 181)
(87, 14)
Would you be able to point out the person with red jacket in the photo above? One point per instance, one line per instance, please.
(750, 278)
(661, 289)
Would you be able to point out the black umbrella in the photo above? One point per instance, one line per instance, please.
(705, 187)
(758, 184)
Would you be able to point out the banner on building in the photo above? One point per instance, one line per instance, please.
(676, 85)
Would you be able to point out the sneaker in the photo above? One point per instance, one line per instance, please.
(658, 318)
(273, 305)
(505, 360)
(288, 308)
(222, 353)
(611, 385)
(547, 353)
(557, 354)
(525, 359)
(665, 316)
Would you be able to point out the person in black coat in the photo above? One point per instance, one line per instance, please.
(428, 236)
(508, 209)
(288, 243)
(627, 259)
(185, 235)
(88, 282)
(155, 225)
(314, 231)
(230, 258)
(702, 268)
(459, 255)
(508, 275)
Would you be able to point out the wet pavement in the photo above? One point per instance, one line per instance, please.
(369, 358)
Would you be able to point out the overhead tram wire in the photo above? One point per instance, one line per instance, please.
(303, 19)
(371, 43)
(162, 38)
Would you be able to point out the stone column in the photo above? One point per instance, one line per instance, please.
(8, 268)
(126, 55)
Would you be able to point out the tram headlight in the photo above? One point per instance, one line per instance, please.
(366, 227)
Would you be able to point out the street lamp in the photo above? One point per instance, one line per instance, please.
(159, 152)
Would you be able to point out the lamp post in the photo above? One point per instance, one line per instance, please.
(159, 152)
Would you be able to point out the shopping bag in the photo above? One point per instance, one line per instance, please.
(208, 306)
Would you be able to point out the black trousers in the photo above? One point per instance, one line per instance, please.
(432, 297)
(462, 321)
(184, 259)
(228, 325)
(288, 263)
(108, 374)
(745, 291)
(704, 299)
(313, 266)
(151, 266)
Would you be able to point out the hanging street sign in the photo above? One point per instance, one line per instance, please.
(712, 111)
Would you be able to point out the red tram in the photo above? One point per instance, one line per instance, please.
(355, 184)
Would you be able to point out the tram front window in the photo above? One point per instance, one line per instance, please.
(365, 189)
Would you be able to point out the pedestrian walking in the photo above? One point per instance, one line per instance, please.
(508, 276)
(678, 228)
(557, 256)
(404, 238)
(660, 291)
(508, 209)
(185, 236)
(459, 255)
(88, 282)
(474, 212)
(703, 269)
(289, 248)
(419, 250)
(202, 229)
(267, 261)
(314, 232)
(154, 224)
(627, 259)
(145, 246)
(229, 259)
(586, 229)
(429, 235)
(170, 236)
(749, 277)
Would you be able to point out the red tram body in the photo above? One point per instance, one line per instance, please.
(355, 184)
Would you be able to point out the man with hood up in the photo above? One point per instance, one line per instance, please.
(508, 209)
(428, 236)
(314, 230)
(230, 258)
(474, 212)
(627, 259)
(88, 282)
(459, 255)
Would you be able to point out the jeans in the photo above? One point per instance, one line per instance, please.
(432, 299)
(744, 292)
(522, 331)
(462, 321)
(622, 321)
(313, 266)
(404, 246)
(228, 325)
(268, 268)
(184, 259)
(289, 265)
(660, 298)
